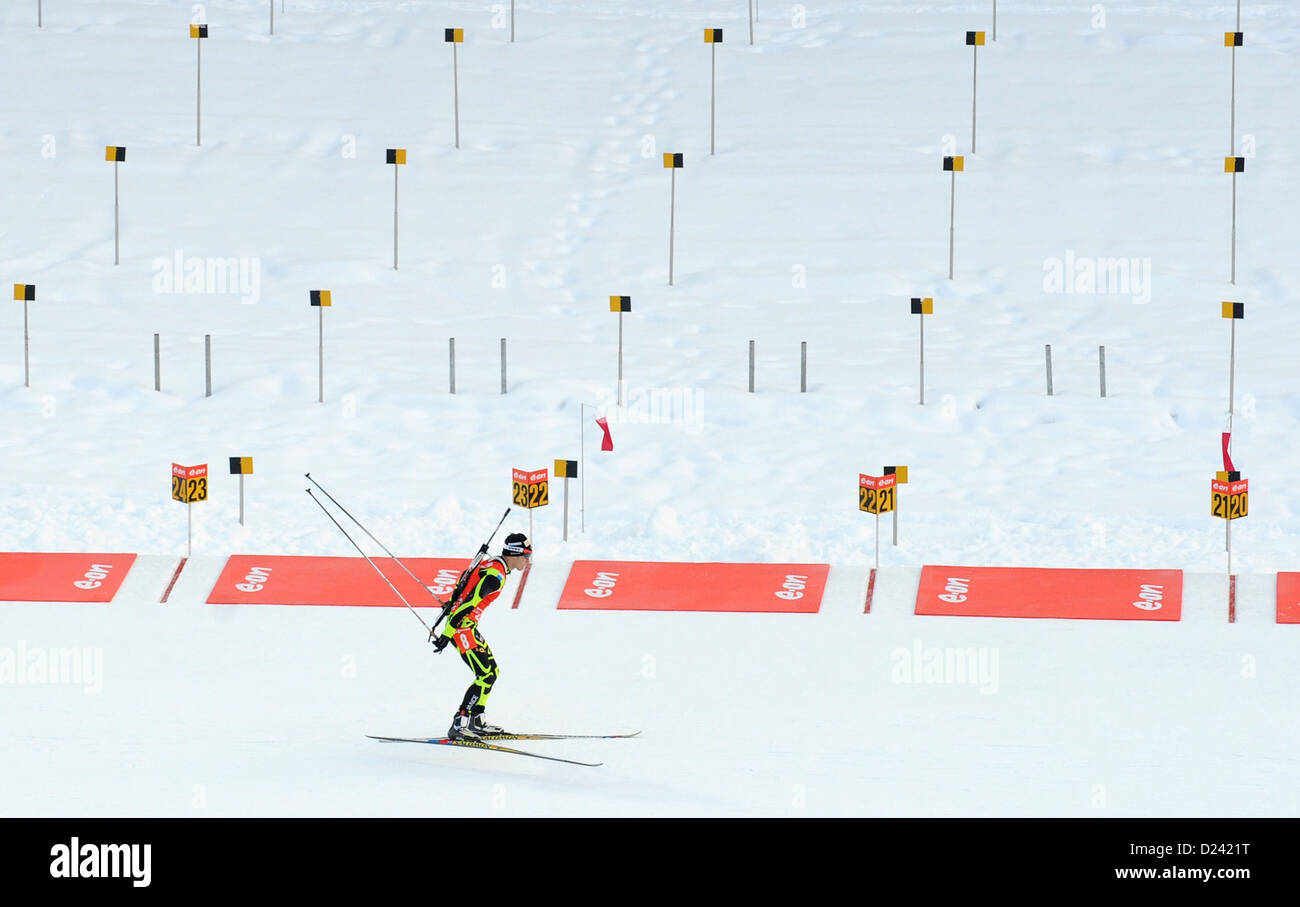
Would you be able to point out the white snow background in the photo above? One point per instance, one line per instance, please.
(823, 211)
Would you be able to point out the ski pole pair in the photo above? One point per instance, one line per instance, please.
(460, 583)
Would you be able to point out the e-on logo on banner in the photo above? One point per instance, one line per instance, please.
(530, 489)
(189, 483)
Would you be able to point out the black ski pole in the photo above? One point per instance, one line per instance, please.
(372, 537)
(370, 562)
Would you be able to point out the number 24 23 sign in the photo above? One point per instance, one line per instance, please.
(876, 493)
(530, 489)
(189, 483)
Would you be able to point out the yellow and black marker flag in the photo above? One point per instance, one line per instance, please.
(25, 292)
(198, 31)
(899, 473)
(1234, 310)
(922, 307)
(566, 469)
(620, 303)
(975, 38)
(1234, 165)
(454, 36)
(957, 163)
(1228, 476)
(713, 36)
(115, 153)
(396, 155)
(241, 466)
(1233, 38)
(674, 161)
(321, 298)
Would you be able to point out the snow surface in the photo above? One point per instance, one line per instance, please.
(1093, 143)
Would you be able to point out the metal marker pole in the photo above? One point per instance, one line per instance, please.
(713, 94)
(455, 82)
(503, 369)
(1048, 352)
(1101, 361)
(620, 358)
(40, 14)
(952, 220)
(189, 529)
(877, 541)
(922, 317)
(273, 33)
(1232, 120)
(1232, 371)
(207, 365)
(995, 20)
(1234, 227)
(321, 353)
(451, 365)
(803, 366)
(566, 508)
(116, 247)
(241, 477)
(395, 169)
(975, 55)
(198, 92)
(157, 364)
(582, 464)
(751, 23)
(27, 368)
(672, 216)
(751, 366)
(512, 41)
(895, 516)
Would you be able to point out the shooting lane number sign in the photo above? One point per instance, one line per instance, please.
(1229, 496)
(876, 494)
(189, 483)
(530, 489)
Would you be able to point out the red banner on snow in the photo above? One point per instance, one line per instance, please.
(1044, 592)
(347, 581)
(1288, 598)
(653, 586)
(38, 577)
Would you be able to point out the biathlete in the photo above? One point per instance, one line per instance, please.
(480, 589)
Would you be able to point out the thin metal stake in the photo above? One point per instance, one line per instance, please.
(672, 215)
(116, 247)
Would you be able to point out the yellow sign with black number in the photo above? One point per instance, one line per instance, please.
(189, 483)
(1229, 500)
(876, 494)
(530, 489)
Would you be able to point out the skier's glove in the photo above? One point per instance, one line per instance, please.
(439, 644)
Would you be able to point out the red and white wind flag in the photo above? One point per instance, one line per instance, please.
(608, 442)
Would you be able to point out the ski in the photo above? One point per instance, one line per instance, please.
(481, 745)
(561, 736)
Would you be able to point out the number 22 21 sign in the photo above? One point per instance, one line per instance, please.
(876, 493)
(530, 489)
(189, 483)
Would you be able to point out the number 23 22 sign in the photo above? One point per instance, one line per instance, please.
(530, 489)
(876, 493)
(189, 483)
